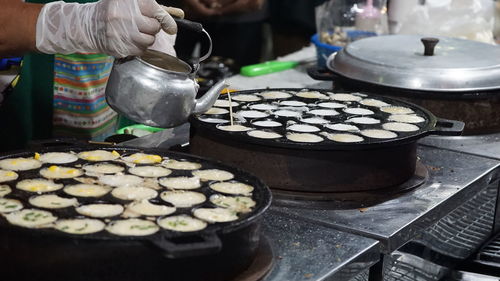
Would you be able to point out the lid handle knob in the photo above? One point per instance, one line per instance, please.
(429, 45)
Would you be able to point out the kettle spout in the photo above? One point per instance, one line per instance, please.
(204, 103)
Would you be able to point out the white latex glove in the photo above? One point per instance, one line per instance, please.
(164, 43)
(115, 27)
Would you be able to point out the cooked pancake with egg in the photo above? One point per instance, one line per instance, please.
(311, 95)
(52, 201)
(99, 155)
(142, 158)
(342, 127)
(240, 204)
(233, 128)
(373, 102)
(6, 176)
(4, 190)
(183, 199)
(216, 111)
(272, 95)
(304, 137)
(181, 182)
(251, 114)
(225, 103)
(57, 157)
(246, 98)
(406, 118)
(146, 208)
(332, 105)
(364, 120)
(19, 164)
(87, 190)
(60, 172)
(9, 205)
(345, 97)
(263, 106)
(378, 134)
(233, 188)
(267, 123)
(132, 227)
(303, 128)
(181, 165)
(400, 127)
(264, 134)
(103, 168)
(182, 223)
(31, 218)
(358, 111)
(213, 215)
(345, 138)
(150, 171)
(213, 175)
(120, 180)
(38, 185)
(396, 110)
(79, 226)
(134, 193)
(100, 210)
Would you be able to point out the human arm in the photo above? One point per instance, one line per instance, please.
(115, 27)
(17, 27)
(199, 8)
(225, 7)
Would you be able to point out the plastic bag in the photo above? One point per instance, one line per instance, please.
(339, 22)
(467, 19)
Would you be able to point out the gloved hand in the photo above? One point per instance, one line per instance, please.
(164, 43)
(115, 27)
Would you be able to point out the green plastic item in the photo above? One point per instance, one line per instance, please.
(138, 127)
(267, 67)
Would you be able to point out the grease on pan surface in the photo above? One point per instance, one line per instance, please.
(302, 118)
(123, 194)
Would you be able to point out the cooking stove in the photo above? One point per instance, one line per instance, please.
(349, 200)
(440, 218)
(443, 215)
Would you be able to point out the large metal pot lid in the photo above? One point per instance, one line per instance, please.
(456, 65)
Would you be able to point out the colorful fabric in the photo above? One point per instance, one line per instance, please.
(80, 108)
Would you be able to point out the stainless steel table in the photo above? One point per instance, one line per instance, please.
(453, 179)
(308, 251)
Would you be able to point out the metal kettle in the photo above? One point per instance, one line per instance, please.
(157, 89)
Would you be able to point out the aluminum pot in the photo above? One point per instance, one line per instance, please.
(454, 78)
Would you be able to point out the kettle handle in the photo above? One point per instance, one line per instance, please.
(209, 52)
(196, 27)
(190, 25)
